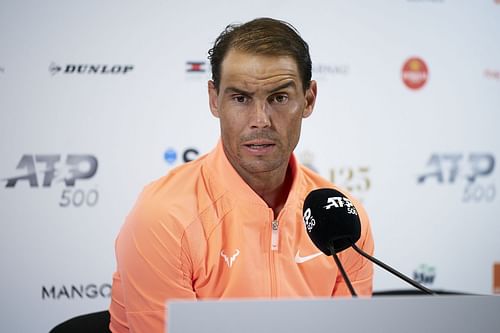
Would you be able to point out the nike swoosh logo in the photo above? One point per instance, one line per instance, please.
(300, 260)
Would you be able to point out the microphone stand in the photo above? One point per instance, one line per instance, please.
(393, 271)
(342, 271)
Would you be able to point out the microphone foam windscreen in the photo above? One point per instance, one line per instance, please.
(331, 220)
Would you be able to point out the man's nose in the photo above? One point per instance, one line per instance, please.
(260, 115)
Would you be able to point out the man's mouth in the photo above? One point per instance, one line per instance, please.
(259, 145)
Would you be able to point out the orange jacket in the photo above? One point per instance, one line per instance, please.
(201, 232)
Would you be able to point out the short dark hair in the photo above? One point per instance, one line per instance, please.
(263, 36)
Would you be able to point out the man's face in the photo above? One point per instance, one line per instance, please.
(260, 105)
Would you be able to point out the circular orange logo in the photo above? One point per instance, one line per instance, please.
(414, 73)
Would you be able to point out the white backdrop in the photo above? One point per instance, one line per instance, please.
(97, 98)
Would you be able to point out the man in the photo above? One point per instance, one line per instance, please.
(229, 225)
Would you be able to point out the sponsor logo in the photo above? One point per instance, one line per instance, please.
(414, 73)
(309, 220)
(197, 70)
(318, 70)
(54, 68)
(228, 258)
(75, 167)
(324, 71)
(47, 170)
(496, 278)
(189, 154)
(89, 69)
(338, 202)
(196, 66)
(81, 291)
(330, 69)
(170, 156)
(474, 171)
(341, 202)
(301, 260)
(492, 74)
(356, 180)
(425, 274)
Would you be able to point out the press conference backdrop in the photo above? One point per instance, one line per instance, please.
(100, 97)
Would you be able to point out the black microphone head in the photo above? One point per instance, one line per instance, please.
(331, 220)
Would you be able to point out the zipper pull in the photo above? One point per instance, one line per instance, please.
(274, 235)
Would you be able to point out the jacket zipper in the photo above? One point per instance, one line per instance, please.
(274, 235)
(274, 248)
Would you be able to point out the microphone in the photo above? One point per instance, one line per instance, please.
(332, 222)
(335, 236)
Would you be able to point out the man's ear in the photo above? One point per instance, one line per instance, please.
(212, 99)
(311, 93)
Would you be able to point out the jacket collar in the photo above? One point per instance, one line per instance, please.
(225, 179)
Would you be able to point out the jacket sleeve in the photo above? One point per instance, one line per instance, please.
(153, 266)
(358, 268)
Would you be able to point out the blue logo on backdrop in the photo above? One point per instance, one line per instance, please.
(44, 170)
(474, 170)
(170, 156)
(189, 154)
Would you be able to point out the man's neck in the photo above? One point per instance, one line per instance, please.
(273, 190)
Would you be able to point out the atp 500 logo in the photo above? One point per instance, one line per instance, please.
(474, 170)
(47, 170)
(341, 202)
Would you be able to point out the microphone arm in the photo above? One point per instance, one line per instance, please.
(342, 271)
(393, 271)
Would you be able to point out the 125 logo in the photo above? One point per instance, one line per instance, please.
(354, 179)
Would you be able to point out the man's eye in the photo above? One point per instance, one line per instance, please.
(240, 99)
(280, 99)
